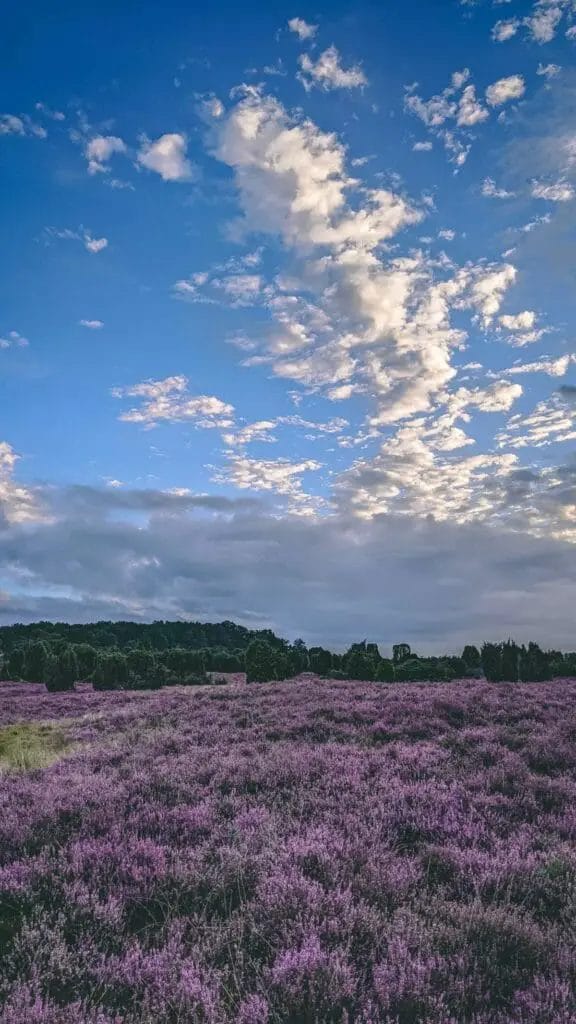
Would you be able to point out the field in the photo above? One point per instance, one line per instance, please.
(291, 853)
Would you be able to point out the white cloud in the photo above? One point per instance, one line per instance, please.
(94, 244)
(520, 321)
(91, 244)
(470, 111)
(327, 72)
(54, 115)
(422, 147)
(169, 400)
(491, 190)
(92, 325)
(18, 504)
(10, 124)
(543, 23)
(292, 179)
(548, 70)
(551, 422)
(557, 192)
(281, 476)
(504, 90)
(505, 30)
(553, 367)
(350, 320)
(99, 150)
(167, 156)
(457, 103)
(302, 28)
(13, 340)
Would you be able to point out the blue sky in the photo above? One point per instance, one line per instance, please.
(274, 273)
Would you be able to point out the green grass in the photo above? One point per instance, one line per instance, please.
(30, 745)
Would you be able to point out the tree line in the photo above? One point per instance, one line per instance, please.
(137, 656)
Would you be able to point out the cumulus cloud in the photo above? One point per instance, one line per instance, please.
(327, 72)
(169, 400)
(519, 321)
(548, 70)
(23, 125)
(92, 325)
(422, 147)
(91, 244)
(491, 190)
(457, 108)
(555, 192)
(553, 367)
(13, 339)
(505, 89)
(99, 150)
(505, 29)
(551, 422)
(351, 319)
(167, 157)
(302, 28)
(542, 24)
(282, 476)
(18, 504)
(470, 111)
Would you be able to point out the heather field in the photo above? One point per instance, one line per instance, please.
(291, 853)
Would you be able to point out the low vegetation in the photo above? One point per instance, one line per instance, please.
(313, 852)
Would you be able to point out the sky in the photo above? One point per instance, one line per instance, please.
(287, 317)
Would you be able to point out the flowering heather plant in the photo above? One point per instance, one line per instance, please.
(315, 852)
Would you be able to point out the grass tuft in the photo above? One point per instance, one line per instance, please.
(29, 745)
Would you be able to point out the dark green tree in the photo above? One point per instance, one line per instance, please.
(471, 657)
(260, 666)
(321, 661)
(86, 656)
(36, 661)
(400, 653)
(15, 663)
(111, 671)
(491, 657)
(282, 666)
(510, 661)
(534, 664)
(385, 671)
(143, 669)
(298, 658)
(359, 665)
(62, 672)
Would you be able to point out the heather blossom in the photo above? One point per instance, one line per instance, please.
(313, 852)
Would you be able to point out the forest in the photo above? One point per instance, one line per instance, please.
(129, 655)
